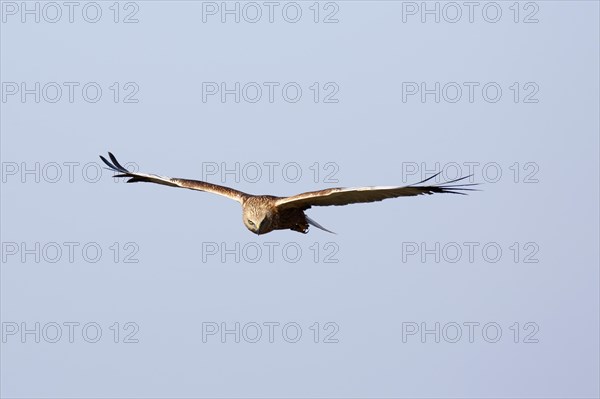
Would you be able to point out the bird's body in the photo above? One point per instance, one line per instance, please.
(265, 213)
(261, 215)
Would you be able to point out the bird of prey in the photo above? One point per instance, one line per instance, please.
(264, 213)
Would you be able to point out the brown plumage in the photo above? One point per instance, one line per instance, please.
(265, 213)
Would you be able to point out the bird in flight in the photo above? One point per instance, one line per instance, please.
(264, 213)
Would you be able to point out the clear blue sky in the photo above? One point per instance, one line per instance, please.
(370, 119)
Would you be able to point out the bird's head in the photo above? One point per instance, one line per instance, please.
(257, 221)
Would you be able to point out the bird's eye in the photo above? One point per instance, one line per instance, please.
(250, 222)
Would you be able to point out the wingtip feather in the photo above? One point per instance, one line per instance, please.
(116, 163)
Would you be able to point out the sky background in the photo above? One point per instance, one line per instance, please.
(174, 265)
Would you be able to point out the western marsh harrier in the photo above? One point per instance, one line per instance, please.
(265, 213)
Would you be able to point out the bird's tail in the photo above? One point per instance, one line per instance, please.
(317, 225)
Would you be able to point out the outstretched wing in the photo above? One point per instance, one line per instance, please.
(353, 195)
(172, 181)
